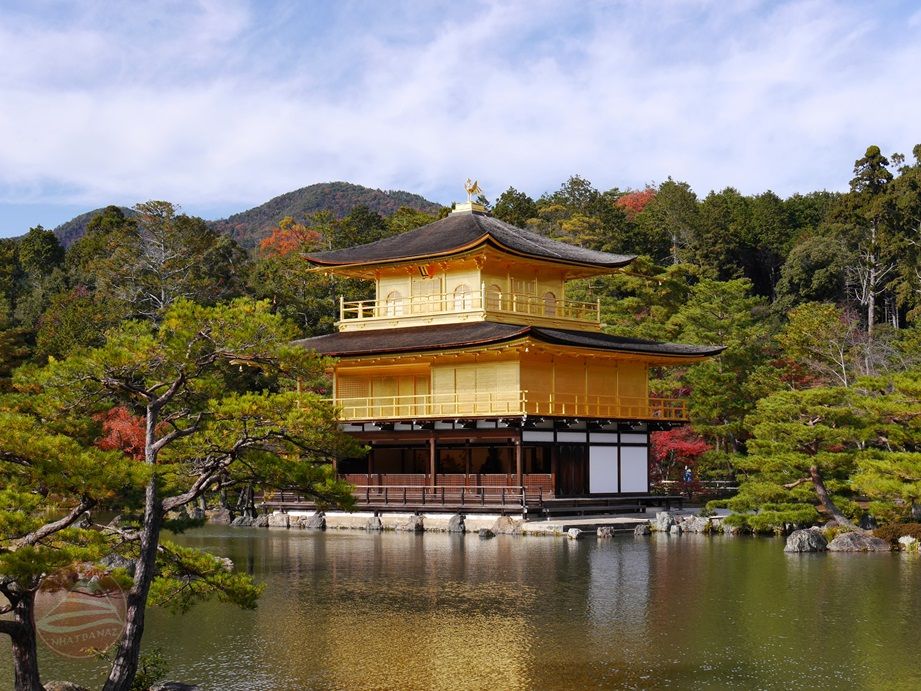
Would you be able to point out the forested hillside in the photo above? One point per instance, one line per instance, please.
(814, 407)
(338, 198)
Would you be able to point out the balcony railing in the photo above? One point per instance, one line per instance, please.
(514, 403)
(471, 302)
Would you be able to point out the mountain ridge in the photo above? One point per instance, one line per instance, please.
(250, 226)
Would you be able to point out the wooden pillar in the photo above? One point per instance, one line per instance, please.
(432, 459)
(370, 462)
(518, 469)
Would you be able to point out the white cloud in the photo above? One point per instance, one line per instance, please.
(213, 105)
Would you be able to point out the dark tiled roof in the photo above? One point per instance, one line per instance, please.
(451, 336)
(458, 230)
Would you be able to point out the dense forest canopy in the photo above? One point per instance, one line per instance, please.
(818, 291)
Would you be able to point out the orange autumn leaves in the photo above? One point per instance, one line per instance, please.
(288, 237)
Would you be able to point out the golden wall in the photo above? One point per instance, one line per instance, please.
(539, 383)
(524, 279)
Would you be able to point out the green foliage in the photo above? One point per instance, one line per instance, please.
(73, 320)
(670, 222)
(87, 256)
(772, 518)
(515, 207)
(639, 303)
(889, 467)
(821, 338)
(186, 576)
(814, 271)
(152, 667)
(46, 475)
(407, 218)
(722, 388)
(40, 253)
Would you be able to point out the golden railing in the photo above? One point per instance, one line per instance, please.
(515, 403)
(482, 300)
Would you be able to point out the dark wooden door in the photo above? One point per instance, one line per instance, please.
(572, 470)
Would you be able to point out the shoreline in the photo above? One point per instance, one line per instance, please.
(672, 523)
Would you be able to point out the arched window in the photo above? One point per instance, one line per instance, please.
(494, 297)
(393, 305)
(549, 304)
(463, 298)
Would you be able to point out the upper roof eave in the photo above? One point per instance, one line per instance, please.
(461, 232)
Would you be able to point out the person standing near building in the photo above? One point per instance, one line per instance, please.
(688, 479)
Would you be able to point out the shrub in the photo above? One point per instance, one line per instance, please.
(737, 520)
(774, 519)
(893, 531)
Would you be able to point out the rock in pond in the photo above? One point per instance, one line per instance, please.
(413, 524)
(64, 686)
(486, 533)
(695, 524)
(375, 524)
(858, 542)
(506, 525)
(664, 521)
(675, 529)
(315, 521)
(456, 524)
(605, 531)
(908, 544)
(279, 520)
(173, 686)
(218, 516)
(810, 540)
(574, 534)
(261, 521)
(243, 522)
(642, 529)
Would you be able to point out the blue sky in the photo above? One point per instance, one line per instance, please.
(219, 106)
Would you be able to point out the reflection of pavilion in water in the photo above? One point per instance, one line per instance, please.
(439, 611)
(475, 380)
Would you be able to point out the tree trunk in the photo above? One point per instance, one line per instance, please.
(21, 629)
(826, 500)
(125, 665)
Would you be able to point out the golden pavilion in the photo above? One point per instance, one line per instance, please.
(476, 382)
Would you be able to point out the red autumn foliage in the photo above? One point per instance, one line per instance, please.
(673, 449)
(289, 237)
(122, 431)
(634, 202)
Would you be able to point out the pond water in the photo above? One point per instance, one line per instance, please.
(352, 610)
